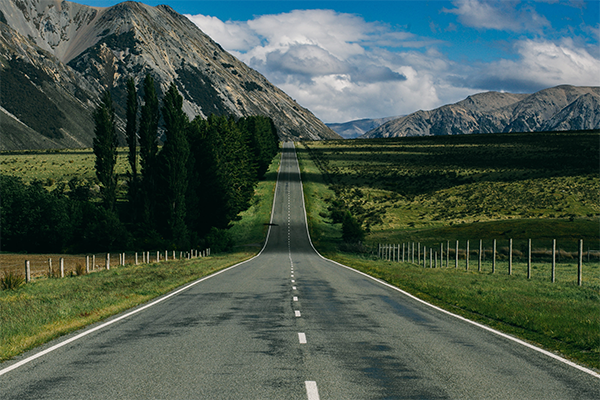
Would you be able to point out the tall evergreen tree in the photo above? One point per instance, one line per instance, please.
(223, 176)
(174, 162)
(148, 149)
(105, 149)
(131, 134)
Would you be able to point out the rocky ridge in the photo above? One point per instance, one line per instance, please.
(559, 108)
(63, 55)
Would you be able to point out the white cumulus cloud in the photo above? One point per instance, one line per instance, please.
(498, 15)
(342, 67)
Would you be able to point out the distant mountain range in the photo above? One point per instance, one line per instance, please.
(354, 129)
(56, 57)
(559, 108)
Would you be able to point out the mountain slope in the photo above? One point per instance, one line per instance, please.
(559, 108)
(356, 128)
(82, 50)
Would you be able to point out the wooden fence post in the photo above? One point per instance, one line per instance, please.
(50, 271)
(419, 252)
(431, 257)
(27, 271)
(494, 258)
(468, 256)
(87, 264)
(174, 255)
(479, 255)
(441, 254)
(510, 256)
(553, 275)
(580, 264)
(403, 248)
(447, 254)
(158, 256)
(107, 260)
(93, 261)
(413, 252)
(529, 259)
(136, 258)
(62, 267)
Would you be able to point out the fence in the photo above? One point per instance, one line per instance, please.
(452, 253)
(60, 265)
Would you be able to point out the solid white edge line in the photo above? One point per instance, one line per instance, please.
(161, 299)
(487, 328)
(312, 393)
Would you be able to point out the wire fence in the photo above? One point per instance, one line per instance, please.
(491, 256)
(32, 266)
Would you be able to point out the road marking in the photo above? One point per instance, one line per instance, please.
(311, 390)
(294, 288)
(302, 337)
(295, 298)
(297, 313)
(292, 275)
(293, 280)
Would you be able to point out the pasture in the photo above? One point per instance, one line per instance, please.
(435, 190)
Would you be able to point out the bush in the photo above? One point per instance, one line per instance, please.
(352, 230)
(219, 240)
(11, 281)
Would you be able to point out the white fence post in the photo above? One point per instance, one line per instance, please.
(456, 256)
(479, 255)
(580, 264)
(494, 257)
(27, 271)
(50, 271)
(62, 267)
(553, 276)
(510, 256)
(467, 265)
(87, 264)
(107, 261)
(529, 259)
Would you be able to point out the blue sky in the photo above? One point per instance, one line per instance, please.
(347, 60)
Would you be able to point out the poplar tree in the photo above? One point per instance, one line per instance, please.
(105, 150)
(173, 161)
(131, 134)
(148, 132)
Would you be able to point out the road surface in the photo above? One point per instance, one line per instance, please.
(289, 324)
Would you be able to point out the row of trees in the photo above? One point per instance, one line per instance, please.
(201, 178)
(181, 194)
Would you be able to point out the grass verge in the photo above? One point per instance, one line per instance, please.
(560, 317)
(48, 308)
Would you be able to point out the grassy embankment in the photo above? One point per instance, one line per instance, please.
(48, 308)
(436, 189)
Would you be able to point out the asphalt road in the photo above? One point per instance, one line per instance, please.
(290, 325)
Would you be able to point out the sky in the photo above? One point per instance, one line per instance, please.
(347, 60)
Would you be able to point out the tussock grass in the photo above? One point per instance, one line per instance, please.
(505, 186)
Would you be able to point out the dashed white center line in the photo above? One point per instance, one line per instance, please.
(297, 313)
(295, 298)
(302, 337)
(311, 390)
(294, 288)
(293, 280)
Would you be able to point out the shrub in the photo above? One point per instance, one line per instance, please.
(11, 281)
(219, 240)
(352, 230)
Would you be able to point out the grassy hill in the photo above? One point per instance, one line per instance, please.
(433, 190)
(541, 186)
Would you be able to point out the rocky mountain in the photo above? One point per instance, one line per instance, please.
(554, 109)
(356, 128)
(56, 57)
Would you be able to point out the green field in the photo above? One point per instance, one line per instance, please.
(433, 189)
(438, 189)
(47, 308)
(55, 167)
